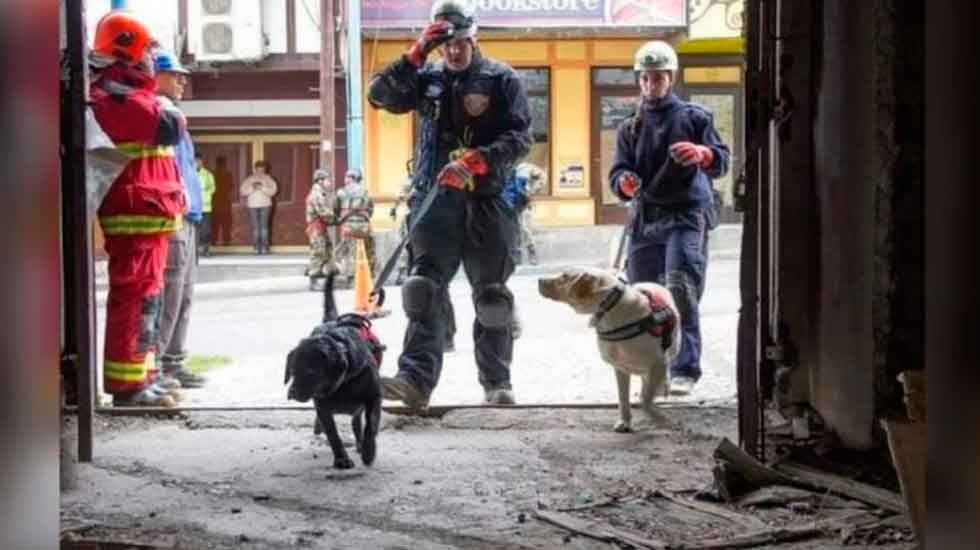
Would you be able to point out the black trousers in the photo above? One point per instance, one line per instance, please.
(478, 233)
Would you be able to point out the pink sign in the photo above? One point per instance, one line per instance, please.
(535, 13)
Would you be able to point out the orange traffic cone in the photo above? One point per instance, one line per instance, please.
(363, 285)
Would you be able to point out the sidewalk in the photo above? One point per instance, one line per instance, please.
(225, 275)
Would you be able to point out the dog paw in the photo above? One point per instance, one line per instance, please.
(343, 463)
(622, 427)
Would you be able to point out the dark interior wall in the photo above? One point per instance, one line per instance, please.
(844, 180)
(904, 348)
(799, 253)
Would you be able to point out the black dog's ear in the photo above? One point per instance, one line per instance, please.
(289, 365)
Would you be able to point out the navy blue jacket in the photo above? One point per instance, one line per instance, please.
(642, 147)
(483, 107)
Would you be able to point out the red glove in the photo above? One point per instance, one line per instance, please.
(459, 173)
(628, 182)
(433, 35)
(689, 154)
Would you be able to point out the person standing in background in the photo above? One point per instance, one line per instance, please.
(257, 190)
(207, 192)
(181, 268)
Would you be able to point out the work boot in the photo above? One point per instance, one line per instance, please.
(167, 382)
(187, 378)
(144, 398)
(681, 385)
(398, 389)
(499, 396)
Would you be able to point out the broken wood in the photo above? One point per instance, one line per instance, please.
(739, 471)
(597, 504)
(884, 499)
(598, 531)
(782, 495)
(775, 535)
(750, 522)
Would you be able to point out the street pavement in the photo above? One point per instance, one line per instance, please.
(556, 359)
(256, 321)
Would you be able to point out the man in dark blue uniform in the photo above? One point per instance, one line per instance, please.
(666, 155)
(473, 127)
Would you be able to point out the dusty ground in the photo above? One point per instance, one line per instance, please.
(472, 479)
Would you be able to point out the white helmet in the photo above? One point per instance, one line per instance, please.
(457, 12)
(655, 55)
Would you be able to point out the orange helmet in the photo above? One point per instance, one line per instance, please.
(121, 35)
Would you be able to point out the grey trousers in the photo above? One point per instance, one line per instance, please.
(178, 294)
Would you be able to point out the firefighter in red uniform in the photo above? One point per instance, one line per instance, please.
(142, 207)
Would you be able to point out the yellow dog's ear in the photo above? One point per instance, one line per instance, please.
(583, 286)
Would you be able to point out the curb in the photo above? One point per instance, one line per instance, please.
(299, 283)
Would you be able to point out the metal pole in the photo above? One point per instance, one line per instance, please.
(327, 92)
(76, 232)
(355, 118)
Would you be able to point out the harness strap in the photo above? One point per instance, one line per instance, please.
(660, 322)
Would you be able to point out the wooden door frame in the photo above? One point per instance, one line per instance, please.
(604, 214)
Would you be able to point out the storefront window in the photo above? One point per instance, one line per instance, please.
(722, 106)
(538, 85)
(614, 110)
(614, 77)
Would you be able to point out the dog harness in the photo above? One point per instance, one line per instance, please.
(660, 322)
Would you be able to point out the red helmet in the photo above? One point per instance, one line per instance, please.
(121, 35)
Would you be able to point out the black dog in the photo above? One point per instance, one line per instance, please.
(337, 366)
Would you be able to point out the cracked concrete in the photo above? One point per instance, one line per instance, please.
(468, 480)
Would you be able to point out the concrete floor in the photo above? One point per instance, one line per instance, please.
(472, 479)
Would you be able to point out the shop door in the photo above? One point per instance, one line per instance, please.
(609, 109)
(230, 163)
(292, 165)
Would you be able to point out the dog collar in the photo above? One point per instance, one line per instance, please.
(610, 301)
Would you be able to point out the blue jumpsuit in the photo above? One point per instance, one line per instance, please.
(673, 207)
(483, 107)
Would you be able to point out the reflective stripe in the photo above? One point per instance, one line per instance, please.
(127, 224)
(126, 372)
(136, 150)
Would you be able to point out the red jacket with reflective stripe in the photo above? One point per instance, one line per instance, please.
(148, 196)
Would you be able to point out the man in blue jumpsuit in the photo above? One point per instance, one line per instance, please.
(666, 155)
(473, 127)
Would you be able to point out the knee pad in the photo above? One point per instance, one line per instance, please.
(494, 306)
(420, 295)
(682, 288)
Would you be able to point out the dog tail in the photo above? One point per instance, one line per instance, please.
(329, 304)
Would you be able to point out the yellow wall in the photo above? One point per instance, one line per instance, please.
(388, 138)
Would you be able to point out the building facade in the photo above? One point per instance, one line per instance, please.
(254, 91)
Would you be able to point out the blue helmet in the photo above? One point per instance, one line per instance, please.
(165, 61)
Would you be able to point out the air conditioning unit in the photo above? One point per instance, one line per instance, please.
(226, 30)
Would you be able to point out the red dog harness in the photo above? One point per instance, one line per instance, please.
(659, 323)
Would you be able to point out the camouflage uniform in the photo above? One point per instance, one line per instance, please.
(355, 208)
(401, 270)
(320, 215)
